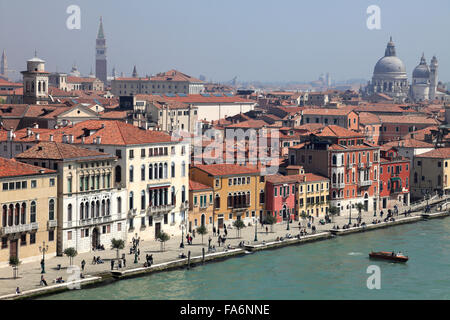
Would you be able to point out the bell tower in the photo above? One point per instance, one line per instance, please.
(100, 54)
(433, 77)
(35, 82)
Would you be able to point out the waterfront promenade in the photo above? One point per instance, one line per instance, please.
(29, 273)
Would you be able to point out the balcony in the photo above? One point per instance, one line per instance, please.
(19, 228)
(119, 185)
(340, 185)
(184, 205)
(240, 208)
(52, 223)
(132, 212)
(365, 183)
(160, 209)
(349, 166)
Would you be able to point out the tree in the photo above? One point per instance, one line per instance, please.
(270, 219)
(117, 244)
(333, 211)
(202, 231)
(359, 206)
(238, 224)
(14, 262)
(163, 237)
(71, 253)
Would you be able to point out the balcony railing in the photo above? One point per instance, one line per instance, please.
(340, 185)
(52, 223)
(160, 209)
(19, 228)
(365, 183)
(184, 205)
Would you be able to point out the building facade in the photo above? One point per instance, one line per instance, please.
(28, 211)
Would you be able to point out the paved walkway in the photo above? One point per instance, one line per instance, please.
(29, 273)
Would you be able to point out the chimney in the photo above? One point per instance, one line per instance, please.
(82, 140)
(99, 140)
(51, 137)
(35, 125)
(29, 132)
(37, 136)
(71, 138)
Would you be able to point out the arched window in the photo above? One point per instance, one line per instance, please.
(160, 176)
(4, 215)
(172, 170)
(23, 214)
(97, 209)
(142, 172)
(17, 214)
(143, 204)
(183, 194)
(334, 194)
(33, 212)
(86, 209)
(69, 212)
(51, 210)
(103, 207)
(183, 169)
(150, 171)
(93, 209)
(261, 196)
(10, 215)
(155, 176)
(118, 173)
(131, 200)
(174, 198)
(165, 170)
(39, 86)
(82, 211)
(217, 201)
(334, 159)
(334, 177)
(131, 173)
(119, 205)
(229, 200)
(108, 207)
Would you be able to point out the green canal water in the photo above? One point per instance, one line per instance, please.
(331, 269)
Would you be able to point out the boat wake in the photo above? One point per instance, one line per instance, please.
(355, 253)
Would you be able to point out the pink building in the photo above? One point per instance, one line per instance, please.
(280, 196)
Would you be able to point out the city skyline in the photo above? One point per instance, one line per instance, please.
(201, 38)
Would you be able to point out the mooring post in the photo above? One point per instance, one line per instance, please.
(203, 255)
(189, 259)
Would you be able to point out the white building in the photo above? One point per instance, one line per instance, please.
(91, 211)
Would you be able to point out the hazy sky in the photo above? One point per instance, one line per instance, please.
(252, 39)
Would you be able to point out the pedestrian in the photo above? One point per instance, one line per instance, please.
(193, 233)
(218, 231)
(267, 230)
(112, 264)
(219, 240)
(124, 262)
(17, 290)
(226, 232)
(43, 282)
(209, 242)
(83, 263)
(94, 260)
(214, 231)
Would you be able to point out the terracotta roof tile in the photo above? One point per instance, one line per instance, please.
(12, 168)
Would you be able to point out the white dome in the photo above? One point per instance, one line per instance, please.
(389, 64)
(422, 70)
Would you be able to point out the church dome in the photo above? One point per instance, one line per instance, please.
(422, 70)
(389, 64)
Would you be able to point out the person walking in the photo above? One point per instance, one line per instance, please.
(267, 230)
(193, 233)
(112, 264)
(226, 232)
(219, 240)
(209, 243)
(214, 231)
(43, 282)
(124, 262)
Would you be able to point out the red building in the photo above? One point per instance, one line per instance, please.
(348, 160)
(394, 179)
(281, 195)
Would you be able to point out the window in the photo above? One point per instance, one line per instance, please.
(52, 182)
(131, 154)
(51, 235)
(32, 238)
(131, 200)
(131, 173)
(69, 212)
(143, 171)
(172, 170)
(51, 209)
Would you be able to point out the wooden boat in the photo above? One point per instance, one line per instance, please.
(391, 256)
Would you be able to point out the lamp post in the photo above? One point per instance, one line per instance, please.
(182, 234)
(350, 216)
(43, 249)
(256, 229)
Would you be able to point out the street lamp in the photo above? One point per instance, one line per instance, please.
(350, 216)
(182, 235)
(256, 229)
(43, 249)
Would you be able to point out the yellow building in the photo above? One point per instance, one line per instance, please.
(201, 205)
(28, 202)
(313, 195)
(430, 173)
(238, 191)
